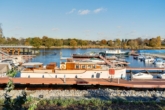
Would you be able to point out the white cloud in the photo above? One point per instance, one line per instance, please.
(70, 12)
(98, 10)
(55, 29)
(83, 12)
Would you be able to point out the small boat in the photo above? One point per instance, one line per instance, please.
(86, 55)
(141, 57)
(135, 57)
(11, 61)
(162, 76)
(141, 75)
(115, 52)
(159, 62)
(149, 59)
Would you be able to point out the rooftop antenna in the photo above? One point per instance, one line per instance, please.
(1, 33)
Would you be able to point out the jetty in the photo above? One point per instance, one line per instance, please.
(132, 68)
(106, 61)
(156, 55)
(136, 83)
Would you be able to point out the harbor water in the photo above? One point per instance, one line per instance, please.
(53, 55)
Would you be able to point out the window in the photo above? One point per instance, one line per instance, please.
(89, 66)
(94, 66)
(77, 66)
(83, 66)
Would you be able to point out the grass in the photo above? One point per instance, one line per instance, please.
(89, 104)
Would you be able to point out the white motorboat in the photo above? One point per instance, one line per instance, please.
(141, 57)
(159, 62)
(162, 75)
(115, 52)
(149, 59)
(11, 61)
(141, 75)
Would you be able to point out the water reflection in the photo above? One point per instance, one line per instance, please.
(48, 55)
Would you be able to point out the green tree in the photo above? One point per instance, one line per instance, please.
(2, 40)
(44, 40)
(58, 42)
(49, 42)
(36, 42)
(158, 41)
(28, 41)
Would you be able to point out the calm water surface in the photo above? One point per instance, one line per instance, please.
(53, 55)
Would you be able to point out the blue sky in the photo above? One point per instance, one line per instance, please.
(83, 19)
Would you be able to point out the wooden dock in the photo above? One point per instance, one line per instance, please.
(131, 68)
(135, 83)
(106, 61)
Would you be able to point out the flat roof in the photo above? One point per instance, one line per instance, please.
(18, 46)
(85, 63)
(32, 64)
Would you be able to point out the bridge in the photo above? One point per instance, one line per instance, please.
(14, 49)
(15, 46)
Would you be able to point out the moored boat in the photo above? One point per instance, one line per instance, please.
(115, 52)
(162, 75)
(149, 59)
(141, 75)
(86, 55)
(71, 70)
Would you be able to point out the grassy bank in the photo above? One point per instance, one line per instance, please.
(82, 104)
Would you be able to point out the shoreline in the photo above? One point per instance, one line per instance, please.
(97, 47)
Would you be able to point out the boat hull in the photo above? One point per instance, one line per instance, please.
(119, 73)
(126, 53)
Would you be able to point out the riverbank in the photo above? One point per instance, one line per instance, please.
(99, 47)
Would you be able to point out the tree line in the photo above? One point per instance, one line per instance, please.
(48, 42)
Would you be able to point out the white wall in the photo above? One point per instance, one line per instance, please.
(87, 74)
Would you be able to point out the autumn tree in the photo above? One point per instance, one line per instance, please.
(132, 43)
(103, 42)
(27, 41)
(110, 43)
(158, 41)
(73, 42)
(117, 42)
(146, 42)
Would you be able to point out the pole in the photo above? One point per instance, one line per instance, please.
(111, 79)
(64, 79)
